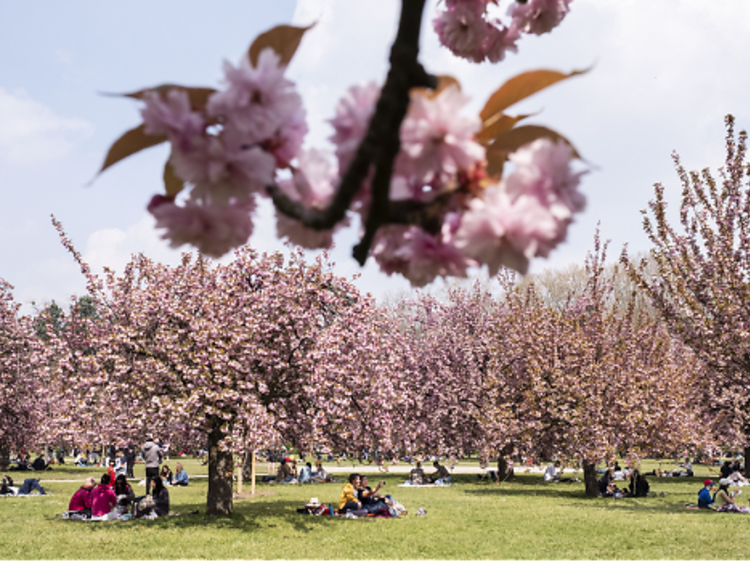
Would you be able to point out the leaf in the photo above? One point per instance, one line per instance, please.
(283, 39)
(444, 81)
(497, 125)
(512, 140)
(131, 142)
(198, 96)
(496, 161)
(520, 87)
(172, 184)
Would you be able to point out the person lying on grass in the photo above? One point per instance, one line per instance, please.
(29, 485)
(81, 500)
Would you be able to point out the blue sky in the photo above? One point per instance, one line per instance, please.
(664, 75)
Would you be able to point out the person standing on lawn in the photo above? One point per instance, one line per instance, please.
(152, 459)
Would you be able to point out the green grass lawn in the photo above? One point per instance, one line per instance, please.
(472, 519)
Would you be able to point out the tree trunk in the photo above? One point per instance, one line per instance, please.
(220, 468)
(747, 460)
(589, 478)
(504, 472)
(4, 459)
(247, 466)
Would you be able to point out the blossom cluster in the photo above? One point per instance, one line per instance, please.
(467, 29)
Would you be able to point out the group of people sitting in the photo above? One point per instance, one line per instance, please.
(288, 473)
(722, 499)
(116, 500)
(417, 477)
(360, 500)
(638, 487)
(29, 485)
(179, 478)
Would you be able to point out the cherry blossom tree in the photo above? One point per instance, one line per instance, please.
(425, 179)
(253, 353)
(23, 370)
(701, 287)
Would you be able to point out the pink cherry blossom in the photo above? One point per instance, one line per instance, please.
(258, 100)
(171, 114)
(436, 141)
(353, 112)
(213, 229)
(539, 16)
(419, 256)
(463, 29)
(500, 40)
(221, 168)
(543, 170)
(313, 185)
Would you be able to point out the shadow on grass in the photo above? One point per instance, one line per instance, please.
(247, 517)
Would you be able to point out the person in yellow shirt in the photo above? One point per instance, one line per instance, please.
(349, 500)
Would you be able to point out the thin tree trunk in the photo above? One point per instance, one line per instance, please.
(247, 466)
(503, 473)
(4, 459)
(747, 460)
(220, 469)
(589, 478)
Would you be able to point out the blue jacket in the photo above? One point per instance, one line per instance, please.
(704, 498)
(181, 476)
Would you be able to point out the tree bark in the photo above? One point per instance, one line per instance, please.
(247, 466)
(747, 460)
(590, 480)
(4, 459)
(502, 466)
(220, 468)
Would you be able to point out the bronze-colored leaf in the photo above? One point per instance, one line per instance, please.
(172, 184)
(495, 161)
(497, 125)
(512, 140)
(131, 142)
(520, 87)
(198, 96)
(444, 81)
(283, 39)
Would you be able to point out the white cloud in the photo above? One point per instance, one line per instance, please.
(32, 132)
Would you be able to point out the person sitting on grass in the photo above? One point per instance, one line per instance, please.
(370, 499)
(7, 488)
(349, 500)
(40, 465)
(639, 486)
(81, 500)
(319, 476)
(416, 475)
(103, 498)
(29, 485)
(161, 498)
(180, 477)
(551, 473)
(724, 499)
(123, 493)
(441, 474)
(305, 474)
(705, 499)
(166, 475)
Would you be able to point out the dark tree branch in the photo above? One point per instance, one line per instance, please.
(379, 147)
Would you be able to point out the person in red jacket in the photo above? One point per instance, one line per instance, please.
(103, 499)
(111, 473)
(81, 500)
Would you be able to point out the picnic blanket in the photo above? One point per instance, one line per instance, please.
(409, 485)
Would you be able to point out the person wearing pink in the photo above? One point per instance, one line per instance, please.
(103, 499)
(81, 500)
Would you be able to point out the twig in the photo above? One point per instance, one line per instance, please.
(379, 147)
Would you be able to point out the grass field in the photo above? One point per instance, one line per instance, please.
(472, 519)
